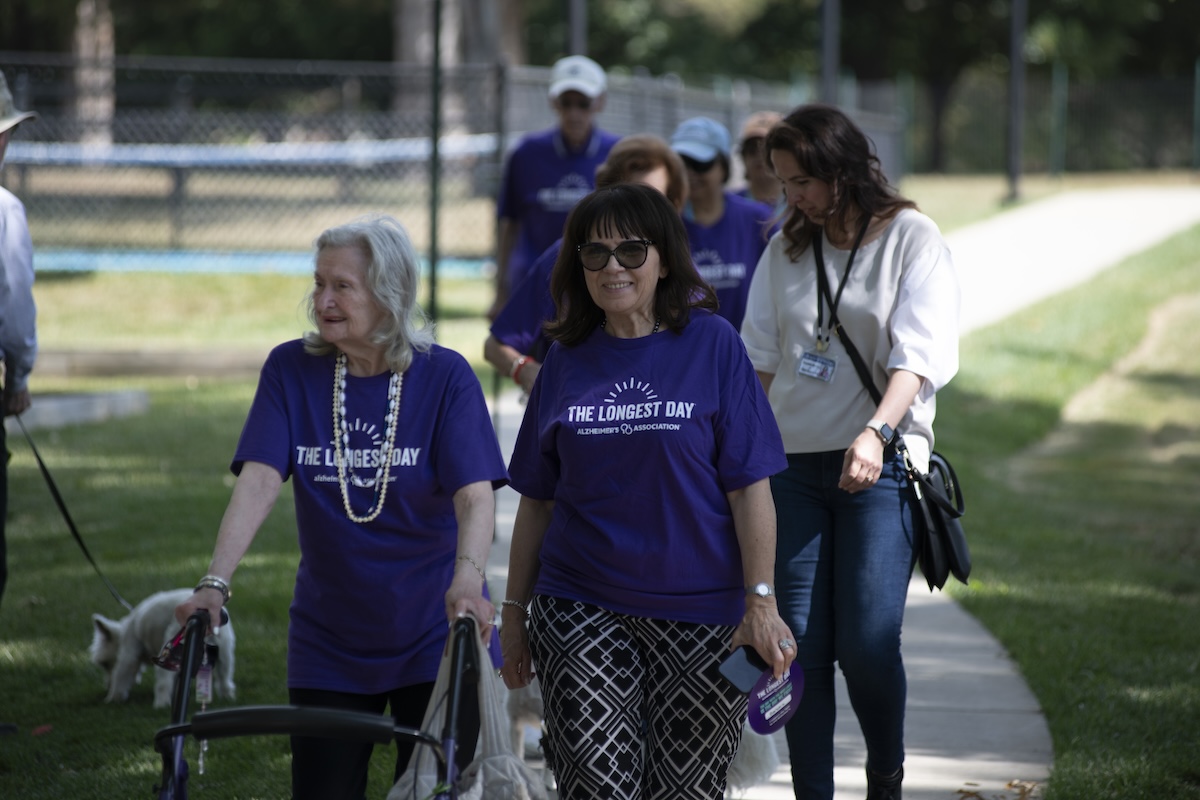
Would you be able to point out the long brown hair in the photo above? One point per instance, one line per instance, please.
(829, 147)
(631, 211)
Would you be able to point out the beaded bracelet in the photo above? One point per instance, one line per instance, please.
(471, 561)
(519, 365)
(215, 582)
(517, 604)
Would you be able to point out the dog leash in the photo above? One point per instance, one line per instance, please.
(67, 515)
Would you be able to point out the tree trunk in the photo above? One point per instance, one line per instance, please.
(512, 31)
(95, 78)
(412, 44)
(939, 97)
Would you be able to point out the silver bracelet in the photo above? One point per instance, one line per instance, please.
(517, 604)
(478, 569)
(215, 582)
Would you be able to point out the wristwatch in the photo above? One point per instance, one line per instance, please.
(761, 590)
(885, 432)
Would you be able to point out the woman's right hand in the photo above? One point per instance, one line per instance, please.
(207, 598)
(517, 670)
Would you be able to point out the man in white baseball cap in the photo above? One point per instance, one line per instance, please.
(18, 337)
(549, 171)
(577, 74)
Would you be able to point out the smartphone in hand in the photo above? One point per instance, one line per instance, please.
(743, 667)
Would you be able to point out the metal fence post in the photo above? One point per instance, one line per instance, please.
(435, 166)
(831, 50)
(1016, 96)
(1196, 117)
(907, 101)
(1058, 119)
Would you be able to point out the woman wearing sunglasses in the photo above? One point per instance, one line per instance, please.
(516, 345)
(644, 542)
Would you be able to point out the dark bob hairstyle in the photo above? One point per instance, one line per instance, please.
(629, 211)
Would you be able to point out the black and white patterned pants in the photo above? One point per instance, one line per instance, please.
(635, 708)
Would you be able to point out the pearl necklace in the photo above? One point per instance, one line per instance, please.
(341, 438)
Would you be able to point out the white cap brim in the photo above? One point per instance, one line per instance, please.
(573, 85)
(8, 123)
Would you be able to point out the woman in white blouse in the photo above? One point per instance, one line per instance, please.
(852, 252)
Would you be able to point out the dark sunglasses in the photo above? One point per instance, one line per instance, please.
(581, 103)
(698, 167)
(630, 255)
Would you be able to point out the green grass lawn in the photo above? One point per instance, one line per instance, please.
(1072, 425)
(1074, 422)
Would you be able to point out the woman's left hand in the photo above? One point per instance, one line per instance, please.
(763, 629)
(465, 596)
(863, 463)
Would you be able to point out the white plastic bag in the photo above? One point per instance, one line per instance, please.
(496, 773)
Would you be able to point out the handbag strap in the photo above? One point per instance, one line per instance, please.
(920, 480)
(860, 366)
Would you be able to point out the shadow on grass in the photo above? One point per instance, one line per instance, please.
(1087, 567)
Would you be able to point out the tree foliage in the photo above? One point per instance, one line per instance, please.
(333, 29)
(37, 26)
(934, 40)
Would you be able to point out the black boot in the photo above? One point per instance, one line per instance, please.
(884, 787)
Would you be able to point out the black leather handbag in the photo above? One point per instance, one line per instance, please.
(941, 542)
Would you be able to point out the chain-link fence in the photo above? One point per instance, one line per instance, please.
(234, 155)
(204, 154)
(245, 155)
(1070, 125)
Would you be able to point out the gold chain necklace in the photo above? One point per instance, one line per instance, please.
(341, 438)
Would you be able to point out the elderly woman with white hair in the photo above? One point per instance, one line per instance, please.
(393, 457)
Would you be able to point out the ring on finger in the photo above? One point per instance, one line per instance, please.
(786, 644)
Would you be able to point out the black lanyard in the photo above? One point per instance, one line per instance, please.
(823, 284)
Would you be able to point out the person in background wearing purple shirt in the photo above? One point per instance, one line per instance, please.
(516, 345)
(644, 541)
(394, 461)
(549, 171)
(728, 233)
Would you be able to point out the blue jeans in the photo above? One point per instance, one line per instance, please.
(842, 570)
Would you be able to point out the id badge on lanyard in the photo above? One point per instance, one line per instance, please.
(815, 365)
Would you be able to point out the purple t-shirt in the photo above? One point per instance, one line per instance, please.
(727, 253)
(543, 180)
(519, 323)
(368, 614)
(637, 442)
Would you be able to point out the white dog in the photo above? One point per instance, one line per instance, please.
(124, 648)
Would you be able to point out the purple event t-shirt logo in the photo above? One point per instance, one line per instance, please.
(359, 454)
(570, 190)
(715, 272)
(631, 406)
